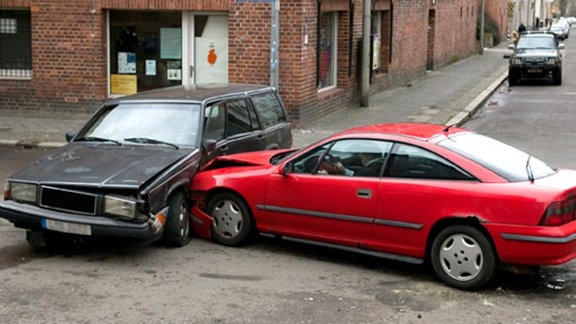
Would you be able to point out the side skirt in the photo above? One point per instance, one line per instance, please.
(377, 254)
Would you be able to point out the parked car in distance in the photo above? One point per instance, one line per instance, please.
(126, 174)
(536, 55)
(560, 30)
(462, 201)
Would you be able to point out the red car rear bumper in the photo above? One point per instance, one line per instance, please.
(534, 245)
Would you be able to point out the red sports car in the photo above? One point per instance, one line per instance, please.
(411, 192)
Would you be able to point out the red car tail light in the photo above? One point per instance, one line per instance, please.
(559, 213)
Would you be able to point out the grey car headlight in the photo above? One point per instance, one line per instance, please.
(18, 191)
(120, 206)
(517, 61)
(552, 60)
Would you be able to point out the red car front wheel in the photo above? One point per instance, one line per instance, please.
(232, 223)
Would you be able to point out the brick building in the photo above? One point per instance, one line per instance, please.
(59, 55)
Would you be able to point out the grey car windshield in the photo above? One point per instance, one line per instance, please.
(507, 161)
(177, 124)
(536, 42)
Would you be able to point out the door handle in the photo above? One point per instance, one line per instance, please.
(364, 193)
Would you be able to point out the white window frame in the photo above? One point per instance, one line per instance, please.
(333, 71)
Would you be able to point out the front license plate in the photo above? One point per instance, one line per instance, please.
(66, 227)
(534, 71)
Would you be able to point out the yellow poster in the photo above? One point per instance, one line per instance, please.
(123, 84)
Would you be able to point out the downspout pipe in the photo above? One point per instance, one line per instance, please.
(365, 67)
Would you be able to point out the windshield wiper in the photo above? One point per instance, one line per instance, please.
(145, 140)
(98, 139)
(529, 169)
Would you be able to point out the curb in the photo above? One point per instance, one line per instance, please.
(457, 120)
(460, 118)
(25, 144)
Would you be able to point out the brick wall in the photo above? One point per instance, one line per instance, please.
(456, 22)
(216, 5)
(249, 43)
(498, 10)
(412, 53)
(70, 53)
(69, 59)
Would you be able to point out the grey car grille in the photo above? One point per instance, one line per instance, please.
(535, 60)
(68, 200)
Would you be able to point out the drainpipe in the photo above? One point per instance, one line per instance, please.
(275, 44)
(365, 68)
(482, 13)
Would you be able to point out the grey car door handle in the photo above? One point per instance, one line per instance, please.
(364, 193)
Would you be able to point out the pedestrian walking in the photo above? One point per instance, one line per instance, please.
(521, 28)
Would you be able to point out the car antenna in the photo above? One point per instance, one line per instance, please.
(447, 129)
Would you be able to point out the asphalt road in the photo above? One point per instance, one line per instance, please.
(268, 281)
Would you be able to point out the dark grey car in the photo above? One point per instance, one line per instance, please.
(126, 173)
(536, 55)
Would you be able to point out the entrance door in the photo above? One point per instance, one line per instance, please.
(208, 48)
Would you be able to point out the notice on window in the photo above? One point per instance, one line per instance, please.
(170, 43)
(123, 84)
(150, 67)
(174, 70)
(126, 62)
(212, 59)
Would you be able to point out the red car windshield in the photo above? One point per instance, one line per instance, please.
(509, 162)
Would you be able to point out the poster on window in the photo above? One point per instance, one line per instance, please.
(126, 62)
(170, 43)
(211, 59)
(174, 71)
(123, 84)
(151, 67)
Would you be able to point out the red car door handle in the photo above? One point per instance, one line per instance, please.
(364, 193)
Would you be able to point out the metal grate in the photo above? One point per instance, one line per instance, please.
(15, 44)
(68, 200)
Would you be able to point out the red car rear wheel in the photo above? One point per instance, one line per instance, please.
(463, 257)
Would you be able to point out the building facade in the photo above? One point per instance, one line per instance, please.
(72, 55)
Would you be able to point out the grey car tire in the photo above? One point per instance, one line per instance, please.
(177, 230)
(463, 257)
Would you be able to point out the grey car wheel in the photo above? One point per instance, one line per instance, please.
(557, 77)
(177, 229)
(232, 224)
(463, 257)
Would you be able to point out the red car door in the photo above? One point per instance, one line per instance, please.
(324, 202)
(418, 188)
(330, 208)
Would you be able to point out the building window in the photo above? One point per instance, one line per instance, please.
(15, 44)
(376, 41)
(327, 50)
(145, 50)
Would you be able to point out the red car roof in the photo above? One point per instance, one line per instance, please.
(418, 130)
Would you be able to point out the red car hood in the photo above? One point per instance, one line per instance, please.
(257, 158)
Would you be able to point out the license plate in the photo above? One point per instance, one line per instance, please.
(534, 71)
(66, 227)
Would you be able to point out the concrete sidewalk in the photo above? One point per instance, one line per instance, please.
(446, 96)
